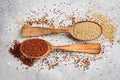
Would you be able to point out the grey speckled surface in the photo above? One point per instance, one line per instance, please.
(12, 11)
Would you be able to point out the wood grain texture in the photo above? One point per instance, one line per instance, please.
(93, 48)
(38, 31)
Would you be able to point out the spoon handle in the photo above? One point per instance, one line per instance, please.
(37, 31)
(93, 48)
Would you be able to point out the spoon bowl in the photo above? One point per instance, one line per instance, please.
(86, 30)
(31, 48)
(36, 48)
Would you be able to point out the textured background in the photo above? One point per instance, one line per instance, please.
(12, 11)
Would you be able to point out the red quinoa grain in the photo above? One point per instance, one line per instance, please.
(34, 47)
(15, 51)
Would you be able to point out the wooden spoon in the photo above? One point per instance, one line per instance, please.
(31, 48)
(86, 30)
